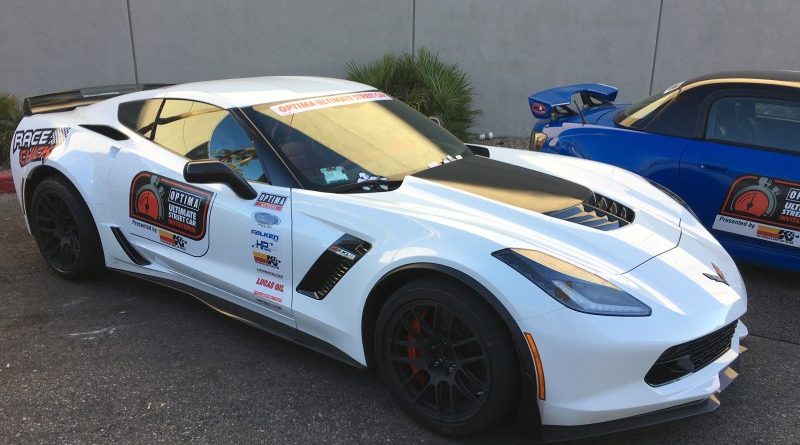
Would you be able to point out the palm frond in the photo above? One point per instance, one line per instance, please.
(426, 83)
(10, 115)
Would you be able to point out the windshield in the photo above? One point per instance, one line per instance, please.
(640, 114)
(331, 141)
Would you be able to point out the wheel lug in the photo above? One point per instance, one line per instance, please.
(479, 393)
(451, 369)
(437, 362)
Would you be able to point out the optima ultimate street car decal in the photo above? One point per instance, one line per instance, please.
(36, 145)
(317, 103)
(169, 212)
(763, 208)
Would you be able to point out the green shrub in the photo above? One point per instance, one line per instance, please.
(424, 82)
(10, 115)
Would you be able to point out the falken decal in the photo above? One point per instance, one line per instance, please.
(37, 144)
(169, 212)
(775, 202)
(267, 235)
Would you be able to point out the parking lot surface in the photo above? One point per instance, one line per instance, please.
(117, 360)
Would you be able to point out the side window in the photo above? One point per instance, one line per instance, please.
(196, 130)
(757, 121)
(139, 116)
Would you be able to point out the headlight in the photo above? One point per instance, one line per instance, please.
(674, 197)
(572, 286)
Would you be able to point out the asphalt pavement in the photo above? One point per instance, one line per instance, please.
(117, 360)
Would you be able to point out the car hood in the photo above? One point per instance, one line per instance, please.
(510, 198)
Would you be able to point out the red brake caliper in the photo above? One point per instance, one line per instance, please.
(413, 351)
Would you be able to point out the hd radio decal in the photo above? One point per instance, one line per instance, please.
(169, 212)
(36, 145)
(762, 208)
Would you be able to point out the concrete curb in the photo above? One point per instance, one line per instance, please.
(6, 182)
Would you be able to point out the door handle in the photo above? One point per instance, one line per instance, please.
(714, 167)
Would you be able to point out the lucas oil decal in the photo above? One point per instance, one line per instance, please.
(763, 208)
(169, 212)
(36, 145)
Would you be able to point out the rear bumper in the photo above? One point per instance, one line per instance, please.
(554, 433)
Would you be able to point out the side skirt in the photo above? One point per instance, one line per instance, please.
(254, 319)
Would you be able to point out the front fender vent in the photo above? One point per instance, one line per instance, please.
(598, 212)
(332, 265)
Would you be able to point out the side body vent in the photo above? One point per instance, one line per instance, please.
(105, 130)
(331, 266)
(597, 211)
(131, 251)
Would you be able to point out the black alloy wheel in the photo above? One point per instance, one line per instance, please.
(439, 363)
(64, 229)
(57, 231)
(446, 358)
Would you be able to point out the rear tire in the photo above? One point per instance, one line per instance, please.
(64, 230)
(446, 357)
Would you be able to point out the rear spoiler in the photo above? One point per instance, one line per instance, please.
(68, 100)
(545, 102)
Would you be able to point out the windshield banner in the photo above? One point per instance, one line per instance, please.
(317, 103)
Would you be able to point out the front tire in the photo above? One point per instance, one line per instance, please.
(446, 357)
(64, 230)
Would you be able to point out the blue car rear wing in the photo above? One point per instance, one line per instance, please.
(545, 102)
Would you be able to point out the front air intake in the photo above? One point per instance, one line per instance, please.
(682, 360)
(598, 212)
(332, 265)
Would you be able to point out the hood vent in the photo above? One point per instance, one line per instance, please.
(597, 211)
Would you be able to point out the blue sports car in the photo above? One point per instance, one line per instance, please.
(727, 144)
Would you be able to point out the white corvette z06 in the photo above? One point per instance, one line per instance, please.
(481, 282)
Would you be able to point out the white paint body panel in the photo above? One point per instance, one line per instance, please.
(594, 365)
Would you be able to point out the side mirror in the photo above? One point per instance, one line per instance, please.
(436, 120)
(208, 171)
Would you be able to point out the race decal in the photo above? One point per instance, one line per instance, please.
(269, 258)
(317, 103)
(271, 202)
(169, 212)
(36, 145)
(264, 259)
(268, 300)
(763, 208)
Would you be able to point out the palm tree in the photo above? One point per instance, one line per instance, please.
(10, 115)
(424, 82)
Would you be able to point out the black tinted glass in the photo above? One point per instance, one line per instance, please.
(139, 116)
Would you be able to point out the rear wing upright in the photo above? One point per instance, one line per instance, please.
(69, 100)
(544, 103)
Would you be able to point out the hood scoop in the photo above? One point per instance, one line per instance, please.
(598, 212)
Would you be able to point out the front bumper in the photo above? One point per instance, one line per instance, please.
(555, 433)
